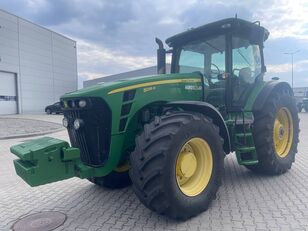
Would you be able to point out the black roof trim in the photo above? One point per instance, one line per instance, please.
(217, 27)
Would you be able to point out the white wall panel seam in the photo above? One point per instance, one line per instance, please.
(19, 75)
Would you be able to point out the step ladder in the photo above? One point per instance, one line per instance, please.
(245, 150)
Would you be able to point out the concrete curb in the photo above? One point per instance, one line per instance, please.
(31, 134)
(38, 133)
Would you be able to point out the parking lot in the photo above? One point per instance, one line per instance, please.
(245, 201)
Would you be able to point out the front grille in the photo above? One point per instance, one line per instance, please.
(93, 137)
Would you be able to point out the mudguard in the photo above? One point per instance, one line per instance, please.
(266, 92)
(210, 111)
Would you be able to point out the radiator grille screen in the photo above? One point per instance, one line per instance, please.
(93, 137)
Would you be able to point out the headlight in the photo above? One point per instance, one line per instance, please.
(65, 122)
(78, 123)
(82, 103)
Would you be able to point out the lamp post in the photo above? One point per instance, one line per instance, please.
(292, 53)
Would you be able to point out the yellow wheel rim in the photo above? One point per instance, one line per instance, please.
(194, 167)
(283, 132)
(122, 168)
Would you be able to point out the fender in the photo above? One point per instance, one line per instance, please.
(266, 92)
(210, 111)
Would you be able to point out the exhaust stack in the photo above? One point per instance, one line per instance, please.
(161, 57)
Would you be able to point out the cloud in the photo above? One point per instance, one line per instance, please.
(207, 11)
(118, 36)
(299, 66)
(284, 72)
(96, 61)
(284, 18)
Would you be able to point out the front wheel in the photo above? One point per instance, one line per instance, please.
(177, 165)
(48, 111)
(117, 179)
(276, 131)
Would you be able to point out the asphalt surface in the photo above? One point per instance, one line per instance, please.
(245, 201)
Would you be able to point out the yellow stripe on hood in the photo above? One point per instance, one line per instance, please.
(154, 83)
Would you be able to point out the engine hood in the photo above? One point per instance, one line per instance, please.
(109, 88)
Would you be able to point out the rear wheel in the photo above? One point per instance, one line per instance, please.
(276, 130)
(118, 178)
(177, 164)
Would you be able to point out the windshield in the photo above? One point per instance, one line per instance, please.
(206, 56)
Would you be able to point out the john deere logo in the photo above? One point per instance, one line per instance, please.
(146, 89)
(193, 88)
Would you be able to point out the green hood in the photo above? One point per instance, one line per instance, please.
(108, 88)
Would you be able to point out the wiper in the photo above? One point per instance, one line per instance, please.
(243, 57)
(214, 47)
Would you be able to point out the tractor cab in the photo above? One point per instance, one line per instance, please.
(229, 56)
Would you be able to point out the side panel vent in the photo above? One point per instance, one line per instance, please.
(129, 95)
(125, 109)
(122, 124)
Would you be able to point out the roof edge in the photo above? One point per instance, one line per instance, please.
(216, 26)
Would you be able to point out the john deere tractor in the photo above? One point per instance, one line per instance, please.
(303, 104)
(168, 134)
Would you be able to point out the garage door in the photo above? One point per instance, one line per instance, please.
(8, 99)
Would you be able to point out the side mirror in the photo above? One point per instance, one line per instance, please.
(264, 69)
(257, 35)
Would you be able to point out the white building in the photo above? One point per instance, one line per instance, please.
(37, 65)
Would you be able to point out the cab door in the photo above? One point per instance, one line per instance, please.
(246, 70)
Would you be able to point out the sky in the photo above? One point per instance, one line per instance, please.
(118, 36)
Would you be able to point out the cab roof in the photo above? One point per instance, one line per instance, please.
(251, 29)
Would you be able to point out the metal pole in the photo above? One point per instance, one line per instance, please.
(292, 53)
(292, 70)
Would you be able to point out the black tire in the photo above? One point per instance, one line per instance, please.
(114, 180)
(153, 164)
(269, 161)
(48, 111)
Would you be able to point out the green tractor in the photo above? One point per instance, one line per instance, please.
(304, 104)
(168, 134)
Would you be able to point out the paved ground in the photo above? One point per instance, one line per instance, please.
(29, 125)
(44, 117)
(245, 201)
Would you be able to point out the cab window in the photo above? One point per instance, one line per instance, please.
(246, 60)
(217, 65)
(191, 61)
(206, 56)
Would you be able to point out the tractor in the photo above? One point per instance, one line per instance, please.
(303, 104)
(168, 134)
